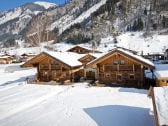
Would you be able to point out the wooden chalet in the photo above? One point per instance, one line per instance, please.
(159, 97)
(161, 74)
(120, 67)
(5, 59)
(82, 50)
(58, 66)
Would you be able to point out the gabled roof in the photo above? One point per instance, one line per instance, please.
(125, 53)
(68, 58)
(5, 57)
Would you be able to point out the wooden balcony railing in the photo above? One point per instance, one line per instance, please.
(55, 67)
(110, 68)
(125, 67)
(44, 67)
(116, 68)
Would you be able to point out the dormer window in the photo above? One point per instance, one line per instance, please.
(122, 62)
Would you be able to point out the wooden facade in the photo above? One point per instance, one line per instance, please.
(82, 50)
(88, 73)
(117, 67)
(50, 68)
(162, 81)
(86, 59)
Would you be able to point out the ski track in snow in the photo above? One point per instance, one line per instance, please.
(27, 105)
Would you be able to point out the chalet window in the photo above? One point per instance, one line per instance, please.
(115, 62)
(119, 77)
(163, 81)
(167, 81)
(122, 62)
(107, 75)
(132, 76)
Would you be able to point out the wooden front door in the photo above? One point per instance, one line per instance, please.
(44, 76)
(90, 75)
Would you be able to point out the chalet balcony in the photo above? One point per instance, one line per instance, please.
(120, 68)
(55, 67)
(110, 68)
(44, 67)
(126, 67)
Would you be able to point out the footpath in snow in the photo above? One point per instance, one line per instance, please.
(76, 105)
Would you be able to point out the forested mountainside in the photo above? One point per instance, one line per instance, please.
(83, 21)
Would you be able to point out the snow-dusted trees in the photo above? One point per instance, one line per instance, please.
(38, 30)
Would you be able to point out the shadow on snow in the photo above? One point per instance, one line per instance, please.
(118, 115)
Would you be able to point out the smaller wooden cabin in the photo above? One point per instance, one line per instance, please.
(159, 97)
(120, 67)
(57, 66)
(82, 50)
(27, 56)
(5, 59)
(161, 74)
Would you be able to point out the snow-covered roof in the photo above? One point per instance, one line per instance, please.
(161, 70)
(4, 57)
(97, 55)
(68, 58)
(161, 102)
(139, 58)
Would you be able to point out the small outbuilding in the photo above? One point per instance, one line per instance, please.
(82, 50)
(5, 59)
(161, 74)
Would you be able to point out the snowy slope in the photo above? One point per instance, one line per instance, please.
(14, 21)
(161, 100)
(46, 5)
(77, 105)
(68, 20)
(135, 41)
(10, 15)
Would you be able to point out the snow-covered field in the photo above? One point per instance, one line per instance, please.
(74, 105)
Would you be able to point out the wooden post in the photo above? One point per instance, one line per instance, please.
(142, 77)
(133, 68)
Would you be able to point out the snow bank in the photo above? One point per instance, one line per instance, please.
(161, 101)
